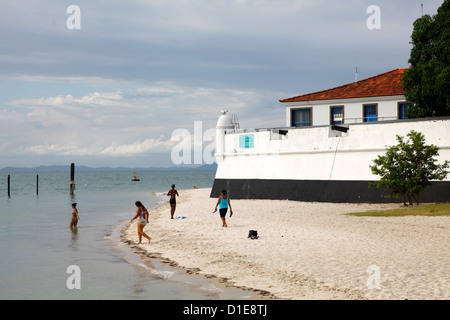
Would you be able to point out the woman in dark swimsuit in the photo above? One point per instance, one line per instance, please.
(173, 201)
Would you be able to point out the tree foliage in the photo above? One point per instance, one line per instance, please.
(427, 81)
(408, 167)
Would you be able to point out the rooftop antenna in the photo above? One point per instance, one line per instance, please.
(235, 122)
(356, 73)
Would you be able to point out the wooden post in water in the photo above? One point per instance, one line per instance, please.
(72, 178)
(9, 186)
(37, 184)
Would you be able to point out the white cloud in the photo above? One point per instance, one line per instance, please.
(93, 99)
(115, 149)
(138, 147)
(119, 124)
(57, 149)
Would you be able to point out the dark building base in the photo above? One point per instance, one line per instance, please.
(320, 190)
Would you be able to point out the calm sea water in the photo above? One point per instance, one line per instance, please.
(37, 246)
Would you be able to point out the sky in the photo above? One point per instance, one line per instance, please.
(111, 83)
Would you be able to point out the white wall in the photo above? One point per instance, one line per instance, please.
(313, 153)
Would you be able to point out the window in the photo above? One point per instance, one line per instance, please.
(370, 113)
(337, 115)
(402, 109)
(246, 141)
(301, 117)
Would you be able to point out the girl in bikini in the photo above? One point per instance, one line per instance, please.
(142, 215)
(75, 216)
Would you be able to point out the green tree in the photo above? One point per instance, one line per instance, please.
(408, 167)
(427, 81)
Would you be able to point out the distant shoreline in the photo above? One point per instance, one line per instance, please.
(66, 168)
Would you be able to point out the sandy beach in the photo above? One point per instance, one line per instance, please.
(305, 250)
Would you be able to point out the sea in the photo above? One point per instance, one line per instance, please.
(42, 258)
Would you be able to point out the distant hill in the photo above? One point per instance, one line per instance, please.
(66, 168)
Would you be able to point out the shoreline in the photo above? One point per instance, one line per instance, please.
(222, 284)
(304, 250)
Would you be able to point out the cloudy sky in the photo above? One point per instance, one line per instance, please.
(115, 90)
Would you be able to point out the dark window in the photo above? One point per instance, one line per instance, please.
(402, 109)
(301, 117)
(337, 115)
(370, 113)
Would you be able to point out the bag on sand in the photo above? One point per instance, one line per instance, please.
(253, 234)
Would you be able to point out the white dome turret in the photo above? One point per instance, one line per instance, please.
(225, 121)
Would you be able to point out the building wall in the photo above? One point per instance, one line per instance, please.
(322, 156)
(353, 109)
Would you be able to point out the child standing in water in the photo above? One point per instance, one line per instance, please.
(75, 216)
(142, 214)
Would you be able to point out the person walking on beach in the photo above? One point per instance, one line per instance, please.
(173, 201)
(223, 203)
(75, 217)
(142, 215)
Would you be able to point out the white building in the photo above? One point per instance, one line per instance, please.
(324, 152)
(378, 98)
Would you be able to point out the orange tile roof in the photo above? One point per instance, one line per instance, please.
(385, 84)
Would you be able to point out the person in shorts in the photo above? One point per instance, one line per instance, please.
(223, 203)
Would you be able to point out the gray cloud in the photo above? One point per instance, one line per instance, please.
(138, 70)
